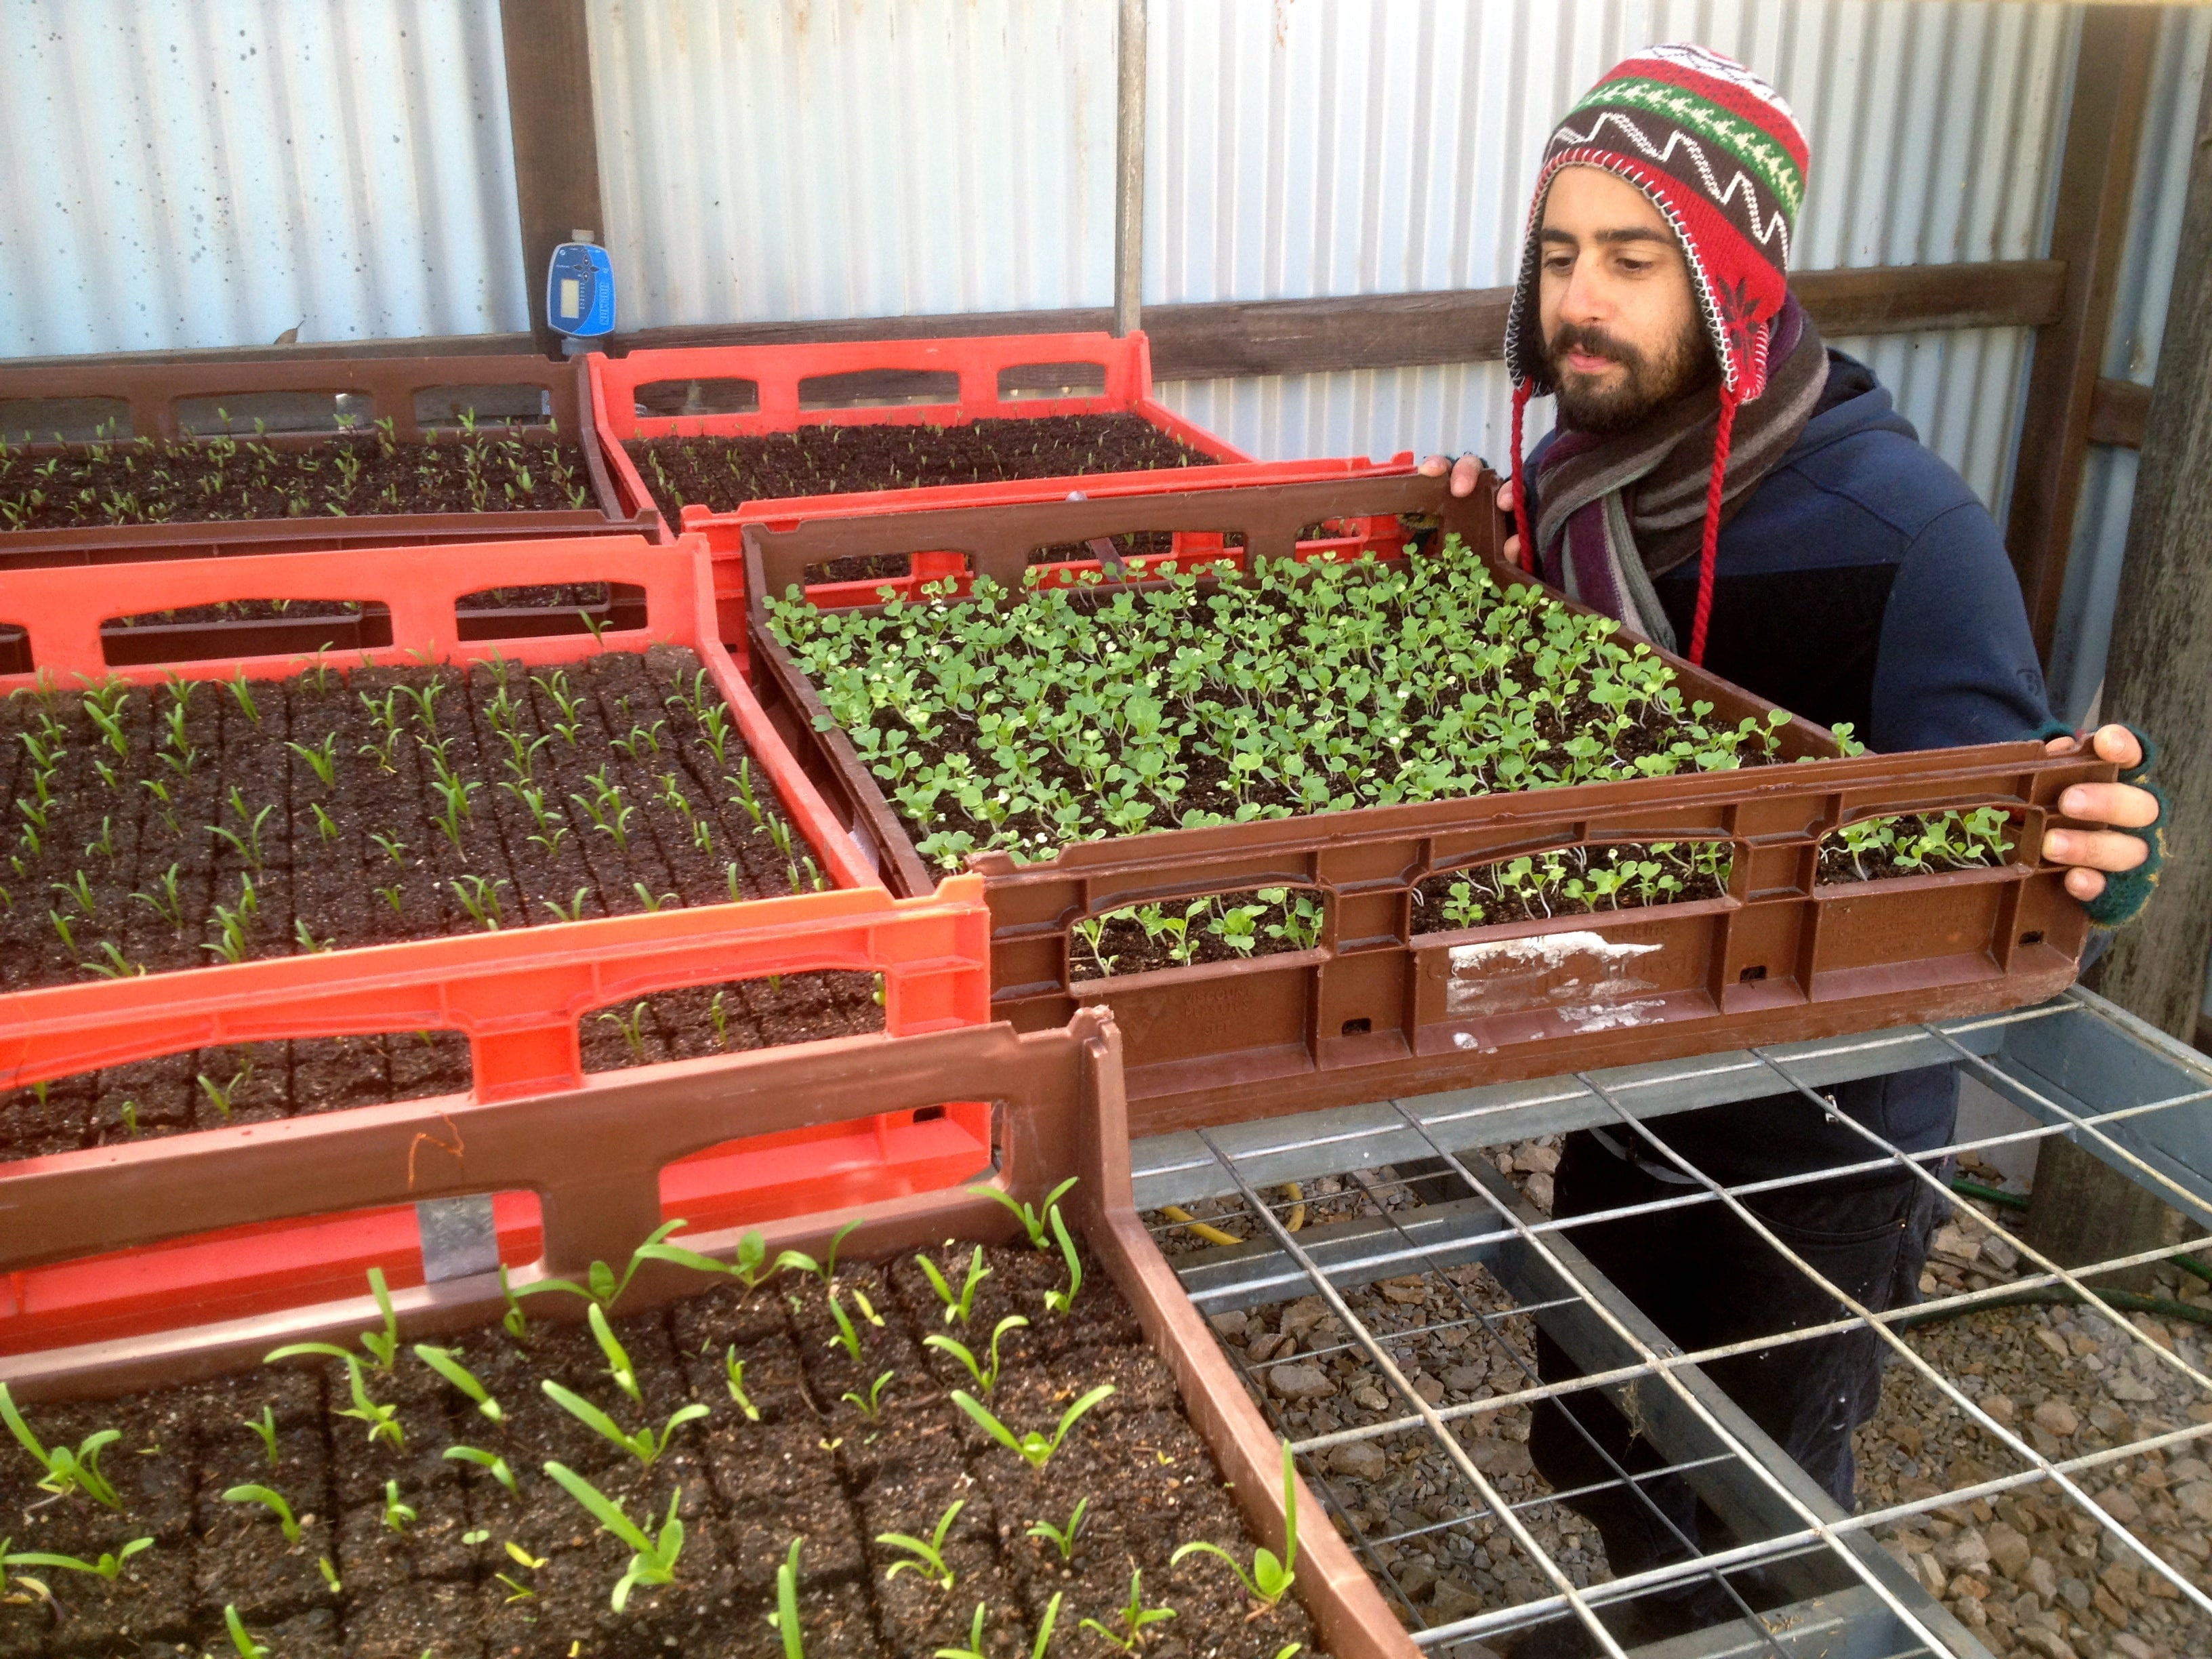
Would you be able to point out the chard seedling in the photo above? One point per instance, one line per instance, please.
(1270, 1577)
(383, 1420)
(847, 1338)
(67, 1470)
(324, 1566)
(1034, 1447)
(1062, 1538)
(265, 1427)
(645, 1445)
(441, 1360)
(1063, 1301)
(975, 1648)
(1134, 1617)
(928, 1553)
(247, 1646)
(601, 1285)
(734, 1373)
(617, 1358)
(398, 1516)
(654, 1562)
(272, 1500)
(1033, 1221)
(957, 1304)
(322, 759)
(786, 1604)
(871, 1403)
(490, 1462)
(826, 1269)
(108, 1566)
(986, 1377)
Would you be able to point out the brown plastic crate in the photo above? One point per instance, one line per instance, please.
(1378, 1010)
(595, 1158)
(145, 398)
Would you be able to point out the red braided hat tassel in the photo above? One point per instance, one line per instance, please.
(1709, 552)
(1520, 494)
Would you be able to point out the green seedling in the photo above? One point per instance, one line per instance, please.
(324, 1565)
(1270, 1578)
(1062, 1538)
(223, 1095)
(1033, 1222)
(644, 1445)
(871, 1403)
(601, 1285)
(826, 1269)
(632, 1027)
(398, 1516)
(325, 826)
(654, 902)
(441, 1360)
(383, 1345)
(847, 1337)
(654, 1562)
(928, 1553)
(733, 1372)
(1034, 1447)
(166, 901)
(383, 1420)
(247, 1646)
(479, 897)
(575, 910)
(67, 1470)
(239, 689)
(1063, 1301)
(108, 1566)
(786, 1604)
(975, 1648)
(618, 1360)
(265, 1427)
(957, 1304)
(513, 1320)
(1134, 1617)
(271, 1499)
(986, 1377)
(491, 1462)
(116, 965)
(322, 760)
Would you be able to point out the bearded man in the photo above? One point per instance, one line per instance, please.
(1731, 490)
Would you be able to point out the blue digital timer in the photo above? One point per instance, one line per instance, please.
(579, 291)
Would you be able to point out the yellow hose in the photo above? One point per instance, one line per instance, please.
(1210, 1235)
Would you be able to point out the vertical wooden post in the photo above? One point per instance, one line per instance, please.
(1129, 170)
(2096, 181)
(2159, 666)
(556, 147)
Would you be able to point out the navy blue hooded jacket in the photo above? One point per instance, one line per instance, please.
(1861, 581)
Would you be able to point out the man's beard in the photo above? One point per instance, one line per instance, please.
(1607, 411)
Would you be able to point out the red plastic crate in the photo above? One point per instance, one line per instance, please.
(979, 360)
(516, 995)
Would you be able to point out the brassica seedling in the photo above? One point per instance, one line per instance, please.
(1062, 1538)
(1270, 1578)
(957, 1304)
(986, 1377)
(1034, 1447)
(66, 1471)
(441, 1360)
(928, 1553)
(654, 1562)
(1135, 1615)
(266, 1428)
(491, 1462)
(646, 1446)
(1032, 1221)
(271, 1500)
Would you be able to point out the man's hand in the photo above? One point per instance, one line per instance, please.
(2093, 851)
(1465, 472)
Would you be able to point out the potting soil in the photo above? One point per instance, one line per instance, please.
(471, 1570)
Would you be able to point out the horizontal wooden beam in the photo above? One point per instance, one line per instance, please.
(1230, 337)
(2118, 412)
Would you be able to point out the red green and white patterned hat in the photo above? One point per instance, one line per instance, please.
(1719, 154)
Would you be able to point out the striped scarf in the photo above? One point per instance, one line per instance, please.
(1614, 513)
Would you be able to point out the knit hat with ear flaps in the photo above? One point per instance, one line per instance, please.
(1718, 151)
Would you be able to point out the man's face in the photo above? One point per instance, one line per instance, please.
(1621, 330)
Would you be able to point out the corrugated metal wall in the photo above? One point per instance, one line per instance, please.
(1373, 146)
(177, 173)
(2101, 528)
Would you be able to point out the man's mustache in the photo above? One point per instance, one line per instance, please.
(1593, 342)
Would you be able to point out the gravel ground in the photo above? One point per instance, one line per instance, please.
(2027, 1571)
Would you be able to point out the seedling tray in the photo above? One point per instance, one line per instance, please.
(748, 1487)
(516, 996)
(1376, 1008)
(998, 377)
(302, 403)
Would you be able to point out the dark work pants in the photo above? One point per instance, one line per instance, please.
(1707, 1280)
